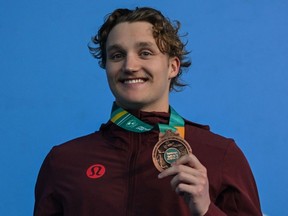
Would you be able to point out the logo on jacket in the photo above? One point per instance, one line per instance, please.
(95, 171)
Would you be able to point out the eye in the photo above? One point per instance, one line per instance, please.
(116, 56)
(146, 53)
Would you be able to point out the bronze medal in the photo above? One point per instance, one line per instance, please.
(168, 149)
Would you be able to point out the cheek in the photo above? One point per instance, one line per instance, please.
(110, 80)
(112, 69)
(109, 77)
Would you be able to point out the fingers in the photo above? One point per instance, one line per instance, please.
(190, 180)
(186, 178)
(187, 164)
(190, 160)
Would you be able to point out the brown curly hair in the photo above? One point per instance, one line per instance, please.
(164, 32)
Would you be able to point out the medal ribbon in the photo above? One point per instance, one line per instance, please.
(129, 122)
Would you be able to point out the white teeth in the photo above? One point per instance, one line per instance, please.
(134, 81)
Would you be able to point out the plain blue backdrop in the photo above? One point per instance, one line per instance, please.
(52, 90)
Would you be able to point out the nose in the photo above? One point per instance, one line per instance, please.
(131, 63)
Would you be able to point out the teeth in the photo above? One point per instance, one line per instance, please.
(134, 81)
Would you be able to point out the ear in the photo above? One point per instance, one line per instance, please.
(174, 64)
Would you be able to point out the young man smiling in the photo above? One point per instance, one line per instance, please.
(115, 171)
(139, 74)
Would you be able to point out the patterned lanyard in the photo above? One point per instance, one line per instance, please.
(129, 122)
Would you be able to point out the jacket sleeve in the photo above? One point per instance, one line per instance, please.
(238, 193)
(46, 200)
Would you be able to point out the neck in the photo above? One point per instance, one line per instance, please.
(145, 108)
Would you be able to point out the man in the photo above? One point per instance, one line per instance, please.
(115, 171)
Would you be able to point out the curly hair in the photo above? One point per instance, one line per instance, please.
(165, 34)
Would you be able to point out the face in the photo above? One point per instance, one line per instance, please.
(138, 74)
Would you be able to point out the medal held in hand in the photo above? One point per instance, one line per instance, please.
(168, 149)
(171, 145)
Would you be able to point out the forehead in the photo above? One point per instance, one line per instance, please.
(127, 33)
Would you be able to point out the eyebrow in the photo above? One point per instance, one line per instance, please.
(138, 45)
(114, 47)
(145, 44)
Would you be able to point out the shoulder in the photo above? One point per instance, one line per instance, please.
(76, 146)
(196, 125)
(207, 144)
(204, 135)
(73, 154)
(82, 140)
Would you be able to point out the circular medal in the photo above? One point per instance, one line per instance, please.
(168, 149)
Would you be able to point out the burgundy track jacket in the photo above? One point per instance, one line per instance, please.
(111, 172)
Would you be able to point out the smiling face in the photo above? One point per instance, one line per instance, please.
(138, 73)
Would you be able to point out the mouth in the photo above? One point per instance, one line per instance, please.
(133, 81)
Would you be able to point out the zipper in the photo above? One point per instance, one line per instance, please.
(135, 142)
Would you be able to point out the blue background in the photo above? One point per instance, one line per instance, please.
(52, 90)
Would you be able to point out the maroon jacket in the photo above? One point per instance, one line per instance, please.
(110, 172)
